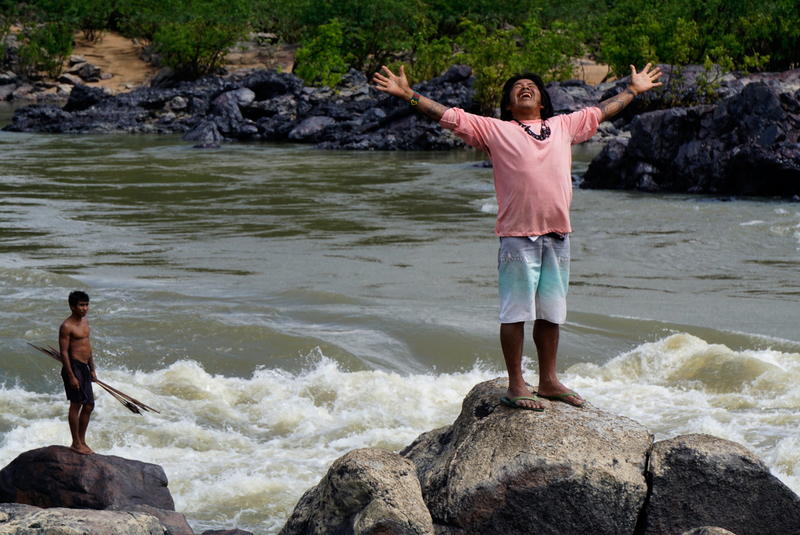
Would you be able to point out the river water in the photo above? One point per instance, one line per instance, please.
(281, 306)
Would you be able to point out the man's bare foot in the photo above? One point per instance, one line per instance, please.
(567, 396)
(523, 399)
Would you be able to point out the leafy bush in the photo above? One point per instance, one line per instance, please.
(142, 19)
(195, 40)
(46, 47)
(496, 56)
(320, 61)
(677, 32)
(93, 17)
(432, 58)
(8, 13)
(372, 30)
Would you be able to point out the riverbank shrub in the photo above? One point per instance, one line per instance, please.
(195, 40)
(45, 47)
(320, 61)
(9, 10)
(94, 17)
(430, 35)
(496, 56)
(738, 33)
(46, 38)
(142, 19)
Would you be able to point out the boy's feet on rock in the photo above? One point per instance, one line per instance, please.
(83, 449)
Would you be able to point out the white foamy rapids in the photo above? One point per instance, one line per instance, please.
(682, 384)
(240, 452)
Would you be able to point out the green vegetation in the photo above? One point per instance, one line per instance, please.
(47, 36)
(9, 10)
(194, 41)
(320, 62)
(495, 37)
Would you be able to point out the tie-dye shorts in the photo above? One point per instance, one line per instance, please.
(533, 277)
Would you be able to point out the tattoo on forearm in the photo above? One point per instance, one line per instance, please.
(616, 104)
(431, 109)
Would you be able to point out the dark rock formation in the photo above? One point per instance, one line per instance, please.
(701, 480)
(263, 106)
(745, 145)
(365, 492)
(57, 477)
(567, 470)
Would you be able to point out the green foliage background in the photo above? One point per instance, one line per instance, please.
(495, 37)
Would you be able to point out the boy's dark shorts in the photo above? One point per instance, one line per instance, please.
(84, 394)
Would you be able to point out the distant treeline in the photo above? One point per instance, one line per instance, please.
(495, 37)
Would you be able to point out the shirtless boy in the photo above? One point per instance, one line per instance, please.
(78, 369)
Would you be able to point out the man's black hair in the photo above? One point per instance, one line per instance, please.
(77, 297)
(547, 106)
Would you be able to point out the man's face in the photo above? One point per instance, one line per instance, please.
(525, 97)
(81, 309)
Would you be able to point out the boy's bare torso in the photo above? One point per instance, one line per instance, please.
(78, 336)
(74, 334)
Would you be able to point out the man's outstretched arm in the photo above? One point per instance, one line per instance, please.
(640, 82)
(397, 85)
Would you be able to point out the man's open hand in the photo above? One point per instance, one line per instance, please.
(645, 80)
(394, 84)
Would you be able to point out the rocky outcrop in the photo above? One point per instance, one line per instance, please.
(366, 492)
(749, 144)
(563, 471)
(701, 480)
(260, 106)
(16, 519)
(498, 470)
(57, 477)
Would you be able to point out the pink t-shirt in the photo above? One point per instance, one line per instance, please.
(532, 178)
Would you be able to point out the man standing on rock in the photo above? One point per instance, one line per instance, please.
(530, 151)
(78, 369)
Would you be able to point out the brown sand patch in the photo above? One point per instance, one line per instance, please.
(118, 56)
(592, 72)
(121, 57)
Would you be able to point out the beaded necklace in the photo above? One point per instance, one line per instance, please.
(543, 134)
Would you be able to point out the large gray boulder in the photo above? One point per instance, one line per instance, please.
(701, 480)
(365, 492)
(502, 470)
(16, 519)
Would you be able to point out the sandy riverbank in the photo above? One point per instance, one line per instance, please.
(121, 57)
